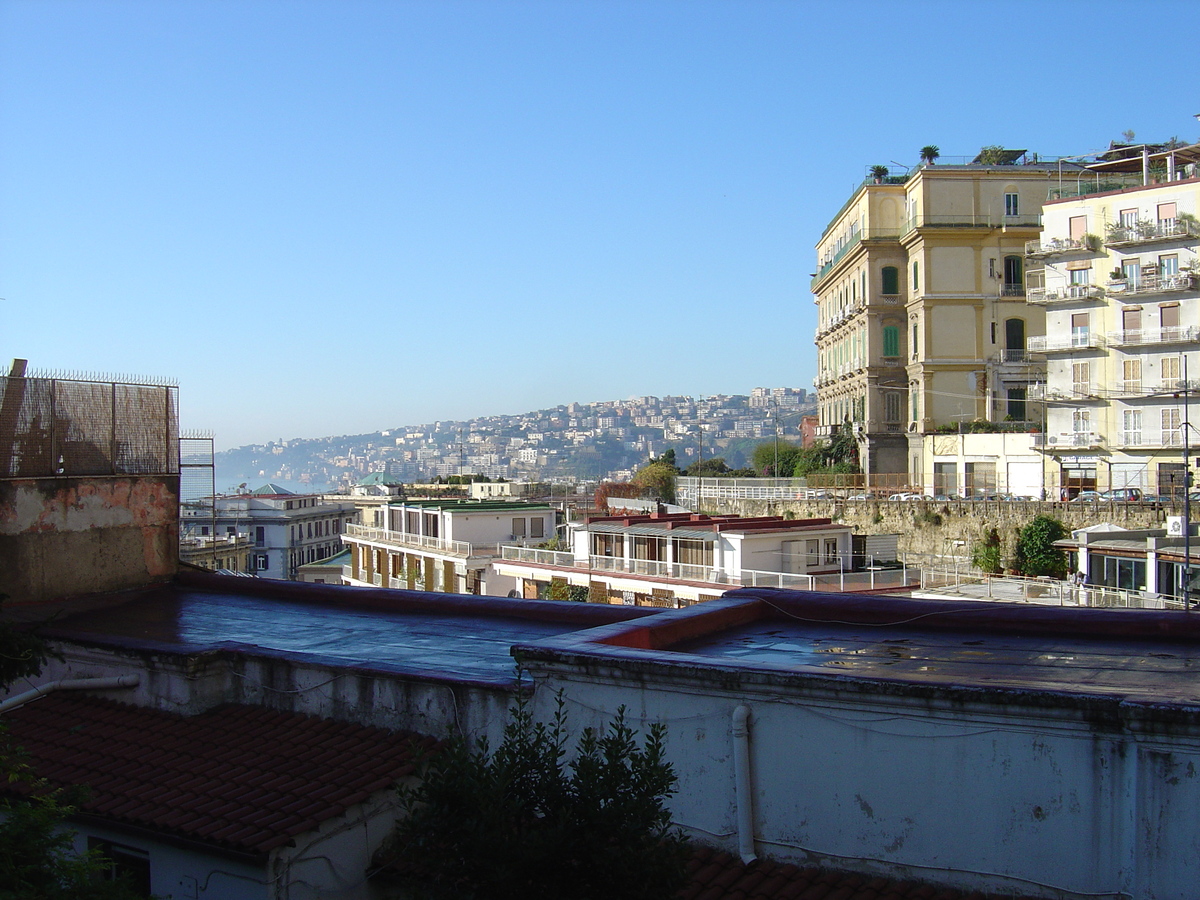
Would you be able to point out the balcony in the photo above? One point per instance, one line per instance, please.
(1147, 232)
(1045, 343)
(1144, 336)
(889, 299)
(1012, 290)
(952, 222)
(1075, 393)
(1171, 437)
(1089, 243)
(1068, 440)
(1013, 357)
(1129, 387)
(411, 541)
(1065, 293)
(1153, 284)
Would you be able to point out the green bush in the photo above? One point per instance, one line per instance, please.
(521, 823)
(1035, 552)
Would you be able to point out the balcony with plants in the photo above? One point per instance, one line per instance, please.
(1123, 287)
(1064, 293)
(1044, 249)
(1147, 231)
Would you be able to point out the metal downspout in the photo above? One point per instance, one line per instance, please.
(743, 786)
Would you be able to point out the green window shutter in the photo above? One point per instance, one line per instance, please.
(891, 340)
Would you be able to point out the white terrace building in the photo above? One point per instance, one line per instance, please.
(1118, 273)
(676, 559)
(443, 545)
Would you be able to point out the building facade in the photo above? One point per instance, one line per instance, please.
(444, 545)
(922, 319)
(1117, 272)
(286, 530)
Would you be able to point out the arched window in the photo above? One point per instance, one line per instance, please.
(891, 280)
(1014, 334)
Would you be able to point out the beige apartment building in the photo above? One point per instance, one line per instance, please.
(1117, 271)
(922, 315)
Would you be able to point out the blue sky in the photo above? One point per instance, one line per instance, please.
(334, 217)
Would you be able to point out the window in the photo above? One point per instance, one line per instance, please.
(1169, 264)
(1081, 421)
(914, 340)
(1012, 205)
(260, 537)
(893, 407)
(813, 553)
(891, 340)
(310, 534)
(1131, 374)
(916, 280)
(1131, 425)
(1081, 377)
(537, 527)
(945, 478)
(204, 529)
(1016, 404)
(1172, 436)
(979, 478)
(1078, 226)
(1131, 269)
(518, 527)
(1080, 331)
(831, 551)
(1131, 322)
(891, 280)
(127, 863)
(1013, 272)
(1081, 276)
(1014, 334)
(1166, 215)
(261, 562)
(1129, 218)
(1170, 372)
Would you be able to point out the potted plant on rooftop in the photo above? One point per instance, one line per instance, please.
(879, 173)
(929, 153)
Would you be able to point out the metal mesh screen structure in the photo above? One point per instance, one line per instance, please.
(76, 426)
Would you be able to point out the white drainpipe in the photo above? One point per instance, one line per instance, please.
(744, 788)
(70, 684)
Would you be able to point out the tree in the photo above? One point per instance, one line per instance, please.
(985, 555)
(37, 859)
(521, 823)
(713, 467)
(617, 489)
(1035, 552)
(929, 153)
(764, 459)
(992, 155)
(657, 479)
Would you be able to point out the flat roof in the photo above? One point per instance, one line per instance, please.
(890, 644)
(436, 636)
(460, 505)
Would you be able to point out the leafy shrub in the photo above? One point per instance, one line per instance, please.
(522, 824)
(1035, 551)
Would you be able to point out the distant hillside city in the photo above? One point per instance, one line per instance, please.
(579, 442)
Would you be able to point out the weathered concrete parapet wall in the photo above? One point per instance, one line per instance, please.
(64, 536)
(933, 527)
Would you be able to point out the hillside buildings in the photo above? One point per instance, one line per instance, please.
(1117, 271)
(922, 319)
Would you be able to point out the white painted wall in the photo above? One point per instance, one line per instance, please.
(990, 794)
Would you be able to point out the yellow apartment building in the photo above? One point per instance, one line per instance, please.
(1117, 271)
(922, 315)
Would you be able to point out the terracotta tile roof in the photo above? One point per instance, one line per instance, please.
(716, 875)
(241, 777)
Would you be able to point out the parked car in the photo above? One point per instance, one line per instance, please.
(1122, 495)
(1086, 497)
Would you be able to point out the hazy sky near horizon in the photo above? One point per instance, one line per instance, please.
(336, 216)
